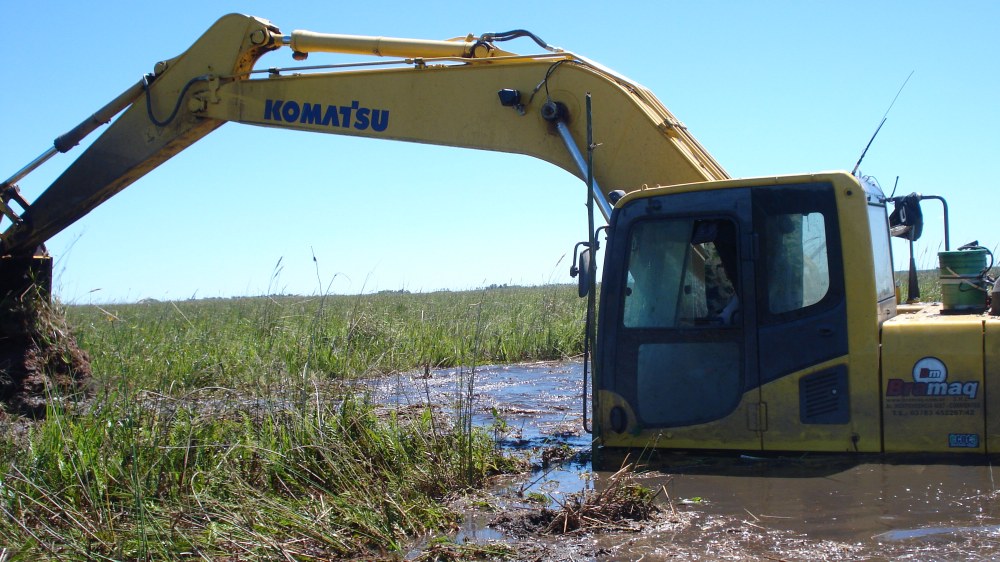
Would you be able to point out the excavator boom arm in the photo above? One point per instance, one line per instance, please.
(443, 92)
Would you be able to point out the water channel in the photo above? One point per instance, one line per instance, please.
(799, 507)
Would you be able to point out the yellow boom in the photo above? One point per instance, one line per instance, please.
(441, 92)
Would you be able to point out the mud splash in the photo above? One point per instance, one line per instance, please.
(722, 507)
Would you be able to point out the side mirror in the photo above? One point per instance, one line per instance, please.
(581, 268)
(906, 220)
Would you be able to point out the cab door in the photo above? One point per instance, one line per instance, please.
(801, 319)
(678, 343)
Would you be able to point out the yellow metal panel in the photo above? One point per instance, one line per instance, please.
(932, 383)
(738, 430)
(991, 341)
(457, 105)
(787, 432)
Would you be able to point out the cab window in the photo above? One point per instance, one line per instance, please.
(682, 310)
(797, 234)
(681, 273)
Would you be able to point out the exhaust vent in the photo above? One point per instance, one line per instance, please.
(824, 397)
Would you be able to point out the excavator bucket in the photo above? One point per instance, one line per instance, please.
(39, 358)
(22, 278)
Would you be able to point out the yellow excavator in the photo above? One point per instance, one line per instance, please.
(742, 314)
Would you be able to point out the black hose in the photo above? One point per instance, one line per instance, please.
(514, 34)
(177, 106)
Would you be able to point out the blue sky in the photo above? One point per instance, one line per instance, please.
(767, 87)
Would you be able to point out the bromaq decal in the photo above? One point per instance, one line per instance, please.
(929, 392)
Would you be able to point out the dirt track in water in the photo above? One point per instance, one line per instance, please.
(728, 507)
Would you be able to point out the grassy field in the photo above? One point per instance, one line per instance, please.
(240, 429)
(927, 281)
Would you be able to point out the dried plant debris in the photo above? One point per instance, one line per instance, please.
(445, 550)
(555, 455)
(621, 504)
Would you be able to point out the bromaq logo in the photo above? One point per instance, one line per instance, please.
(930, 378)
(929, 369)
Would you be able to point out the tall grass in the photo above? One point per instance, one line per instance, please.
(168, 477)
(218, 340)
(231, 428)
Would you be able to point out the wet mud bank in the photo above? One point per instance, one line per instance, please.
(804, 507)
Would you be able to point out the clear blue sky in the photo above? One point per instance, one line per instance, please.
(768, 87)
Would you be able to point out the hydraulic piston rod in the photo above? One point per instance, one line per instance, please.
(311, 42)
(65, 142)
(581, 162)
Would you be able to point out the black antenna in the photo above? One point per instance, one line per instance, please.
(870, 141)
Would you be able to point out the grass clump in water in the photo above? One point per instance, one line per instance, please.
(620, 504)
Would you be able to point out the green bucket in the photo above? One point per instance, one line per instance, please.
(963, 288)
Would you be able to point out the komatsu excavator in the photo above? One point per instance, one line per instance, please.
(742, 314)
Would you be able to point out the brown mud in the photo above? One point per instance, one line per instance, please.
(40, 361)
(721, 507)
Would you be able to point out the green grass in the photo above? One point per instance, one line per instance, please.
(241, 428)
(928, 282)
(194, 343)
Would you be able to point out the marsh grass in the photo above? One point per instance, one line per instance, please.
(236, 428)
(224, 341)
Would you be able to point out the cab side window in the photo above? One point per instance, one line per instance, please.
(797, 238)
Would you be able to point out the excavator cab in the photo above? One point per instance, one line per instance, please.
(710, 298)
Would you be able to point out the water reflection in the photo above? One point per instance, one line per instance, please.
(861, 505)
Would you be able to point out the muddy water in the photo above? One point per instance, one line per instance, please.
(726, 507)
